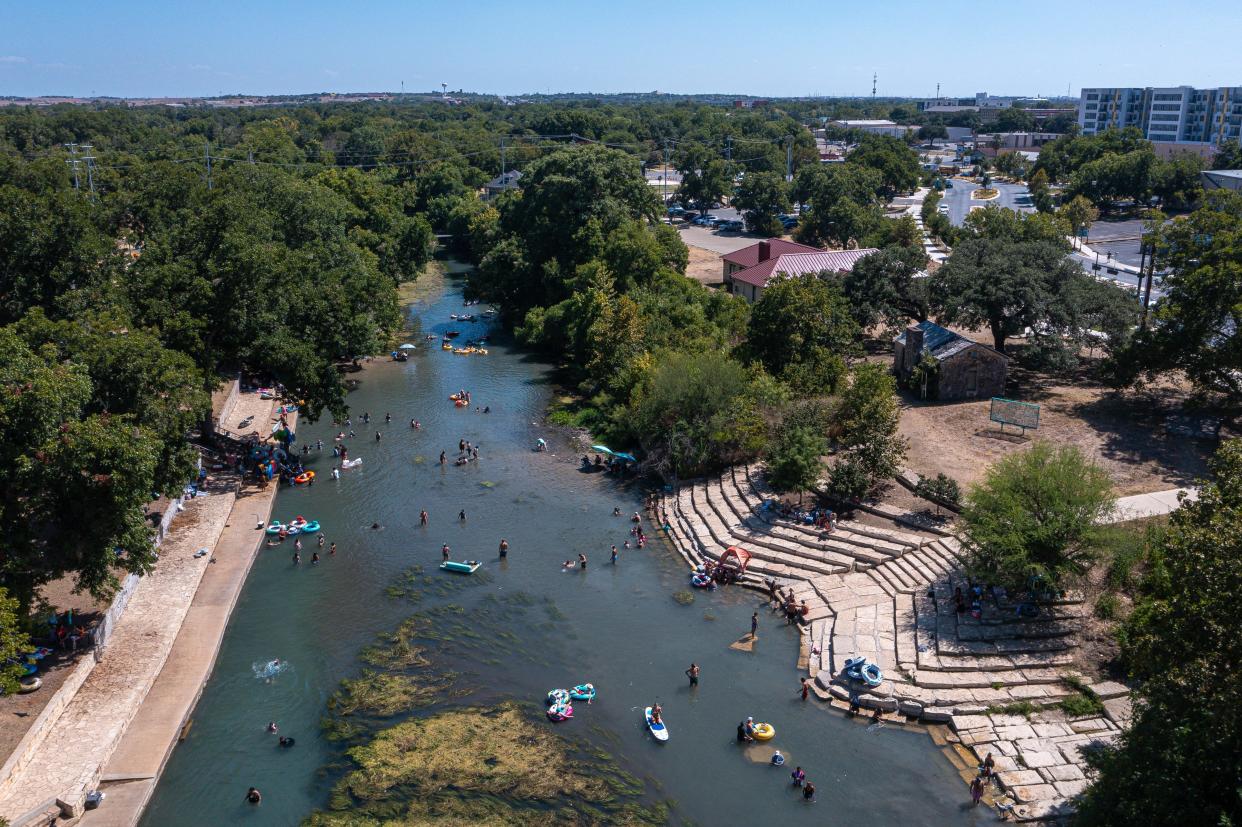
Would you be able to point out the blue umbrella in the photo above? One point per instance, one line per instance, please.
(603, 449)
(626, 457)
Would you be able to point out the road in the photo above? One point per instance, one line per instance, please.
(1014, 196)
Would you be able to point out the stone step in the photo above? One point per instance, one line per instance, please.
(903, 619)
(1004, 646)
(726, 535)
(895, 576)
(890, 586)
(891, 539)
(940, 662)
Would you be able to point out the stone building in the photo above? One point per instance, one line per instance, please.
(958, 368)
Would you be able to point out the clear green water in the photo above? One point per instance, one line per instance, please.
(531, 626)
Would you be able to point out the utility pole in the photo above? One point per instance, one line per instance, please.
(874, 76)
(90, 167)
(73, 162)
(665, 176)
(1151, 274)
(207, 160)
(789, 157)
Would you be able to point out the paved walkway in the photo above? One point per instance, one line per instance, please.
(131, 706)
(90, 727)
(130, 776)
(1149, 505)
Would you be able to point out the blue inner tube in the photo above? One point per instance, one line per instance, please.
(557, 697)
(582, 692)
(274, 529)
(311, 527)
(872, 675)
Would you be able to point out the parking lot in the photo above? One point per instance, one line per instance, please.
(957, 201)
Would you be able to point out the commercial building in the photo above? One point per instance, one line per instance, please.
(1222, 179)
(1172, 115)
(748, 271)
(875, 127)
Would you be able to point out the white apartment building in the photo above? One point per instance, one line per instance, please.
(1178, 114)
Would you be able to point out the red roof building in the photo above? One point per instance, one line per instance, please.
(747, 272)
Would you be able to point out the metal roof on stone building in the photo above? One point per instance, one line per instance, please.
(942, 343)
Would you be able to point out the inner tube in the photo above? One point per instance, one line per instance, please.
(764, 732)
(311, 527)
(558, 696)
(560, 712)
(29, 684)
(460, 403)
(872, 675)
(275, 528)
(701, 581)
(454, 397)
(304, 477)
(583, 692)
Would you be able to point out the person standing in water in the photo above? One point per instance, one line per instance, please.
(504, 548)
(582, 560)
(693, 674)
(806, 688)
(444, 552)
(332, 550)
(613, 558)
(754, 625)
(461, 515)
(442, 458)
(315, 558)
(422, 518)
(297, 558)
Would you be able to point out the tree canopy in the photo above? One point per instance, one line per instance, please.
(1034, 517)
(801, 331)
(1180, 760)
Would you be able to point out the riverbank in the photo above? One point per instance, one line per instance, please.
(128, 710)
(130, 775)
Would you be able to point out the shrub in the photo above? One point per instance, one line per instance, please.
(940, 489)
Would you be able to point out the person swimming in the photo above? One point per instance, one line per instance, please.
(253, 795)
(778, 759)
(286, 742)
(271, 727)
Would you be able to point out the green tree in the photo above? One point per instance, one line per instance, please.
(897, 164)
(13, 644)
(801, 332)
(1115, 177)
(932, 132)
(1179, 761)
(1013, 119)
(887, 288)
(868, 417)
(1079, 213)
(1177, 182)
(794, 459)
(705, 177)
(1191, 329)
(1036, 514)
(1228, 156)
(1039, 188)
(761, 197)
(695, 413)
(73, 485)
(939, 489)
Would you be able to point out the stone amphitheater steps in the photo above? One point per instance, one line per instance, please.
(865, 550)
(757, 531)
(890, 540)
(765, 548)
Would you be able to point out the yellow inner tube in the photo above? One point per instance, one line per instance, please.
(764, 732)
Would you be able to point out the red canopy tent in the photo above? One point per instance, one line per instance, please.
(733, 562)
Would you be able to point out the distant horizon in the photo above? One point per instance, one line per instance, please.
(513, 95)
(151, 49)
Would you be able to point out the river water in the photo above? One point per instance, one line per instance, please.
(616, 626)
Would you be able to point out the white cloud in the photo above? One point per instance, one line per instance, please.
(11, 59)
(332, 73)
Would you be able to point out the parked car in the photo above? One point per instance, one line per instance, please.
(733, 226)
(676, 210)
(706, 221)
(789, 222)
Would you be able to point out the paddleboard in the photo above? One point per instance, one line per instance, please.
(660, 731)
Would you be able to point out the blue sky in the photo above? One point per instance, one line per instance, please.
(794, 47)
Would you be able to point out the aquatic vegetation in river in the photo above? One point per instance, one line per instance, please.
(488, 765)
(683, 597)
